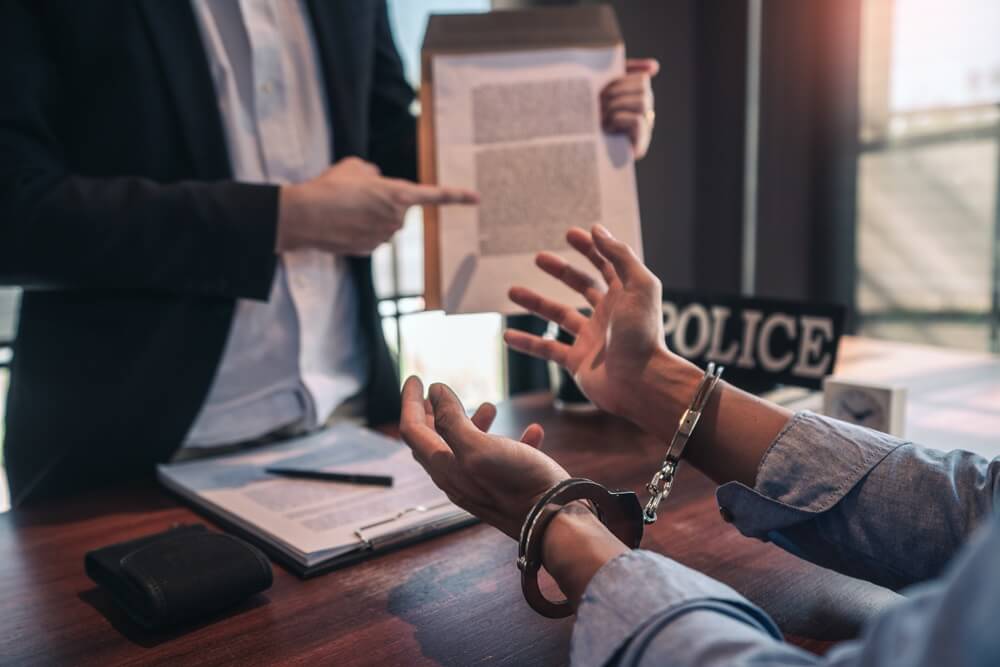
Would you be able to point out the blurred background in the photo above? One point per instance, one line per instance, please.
(835, 150)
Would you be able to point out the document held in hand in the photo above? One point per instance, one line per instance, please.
(510, 108)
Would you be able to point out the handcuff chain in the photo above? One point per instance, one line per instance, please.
(658, 488)
(663, 479)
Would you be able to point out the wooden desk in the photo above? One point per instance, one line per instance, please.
(454, 600)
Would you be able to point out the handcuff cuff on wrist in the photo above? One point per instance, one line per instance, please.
(619, 511)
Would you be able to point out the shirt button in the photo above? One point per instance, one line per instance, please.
(726, 515)
(266, 87)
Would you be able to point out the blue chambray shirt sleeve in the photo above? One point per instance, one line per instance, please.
(863, 502)
(640, 599)
(644, 610)
(846, 497)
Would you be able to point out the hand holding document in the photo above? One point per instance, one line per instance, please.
(627, 103)
(514, 113)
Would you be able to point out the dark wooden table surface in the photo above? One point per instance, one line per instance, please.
(453, 600)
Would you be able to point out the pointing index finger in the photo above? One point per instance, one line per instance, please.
(416, 195)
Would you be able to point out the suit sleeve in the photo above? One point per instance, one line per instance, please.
(64, 230)
(393, 142)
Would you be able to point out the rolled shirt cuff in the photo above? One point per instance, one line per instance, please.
(813, 463)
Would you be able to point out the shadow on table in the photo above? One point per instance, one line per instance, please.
(105, 605)
(462, 616)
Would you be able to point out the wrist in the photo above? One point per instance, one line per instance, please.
(575, 546)
(662, 392)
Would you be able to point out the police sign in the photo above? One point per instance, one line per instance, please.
(761, 342)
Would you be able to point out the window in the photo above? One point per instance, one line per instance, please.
(928, 214)
(464, 351)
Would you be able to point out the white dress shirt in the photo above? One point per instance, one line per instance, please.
(295, 358)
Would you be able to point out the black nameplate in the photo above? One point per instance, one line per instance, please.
(761, 342)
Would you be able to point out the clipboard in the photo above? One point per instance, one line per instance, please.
(376, 548)
(313, 526)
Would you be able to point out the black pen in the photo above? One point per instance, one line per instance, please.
(349, 477)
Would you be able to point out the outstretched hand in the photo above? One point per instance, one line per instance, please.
(495, 478)
(613, 346)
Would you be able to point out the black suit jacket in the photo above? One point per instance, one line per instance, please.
(119, 219)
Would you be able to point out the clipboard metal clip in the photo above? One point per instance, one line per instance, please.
(370, 543)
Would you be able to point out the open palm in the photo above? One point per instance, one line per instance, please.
(615, 343)
(497, 479)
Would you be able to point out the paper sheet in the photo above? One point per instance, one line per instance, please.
(315, 519)
(524, 130)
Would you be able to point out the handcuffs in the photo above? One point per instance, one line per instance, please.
(620, 511)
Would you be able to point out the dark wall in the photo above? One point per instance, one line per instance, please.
(720, 127)
(666, 177)
(691, 184)
(808, 149)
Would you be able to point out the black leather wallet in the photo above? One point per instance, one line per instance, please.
(180, 575)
